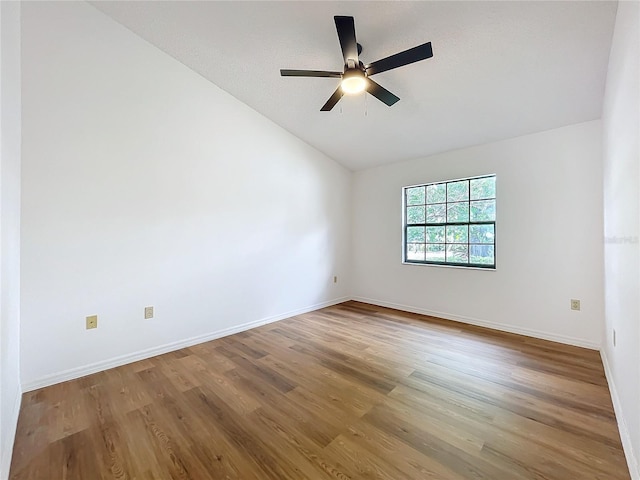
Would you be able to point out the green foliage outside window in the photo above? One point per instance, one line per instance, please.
(451, 223)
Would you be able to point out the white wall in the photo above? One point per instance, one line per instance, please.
(144, 184)
(10, 391)
(621, 131)
(548, 237)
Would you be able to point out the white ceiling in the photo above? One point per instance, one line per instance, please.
(499, 70)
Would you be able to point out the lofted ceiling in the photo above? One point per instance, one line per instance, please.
(499, 70)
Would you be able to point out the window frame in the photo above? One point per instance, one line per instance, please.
(468, 224)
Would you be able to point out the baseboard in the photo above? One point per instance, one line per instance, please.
(578, 342)
(632, 461)
(5, 460)
(84, 370)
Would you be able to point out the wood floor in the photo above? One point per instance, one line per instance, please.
(348, 392)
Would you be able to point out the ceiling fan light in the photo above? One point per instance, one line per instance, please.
(353, 82)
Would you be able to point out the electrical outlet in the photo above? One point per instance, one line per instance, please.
(148, 312)
(335, 279)
(92, 322)
(575, 304)
(614, 337)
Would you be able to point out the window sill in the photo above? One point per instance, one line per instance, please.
(486, 269)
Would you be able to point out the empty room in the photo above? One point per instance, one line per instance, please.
(307, 240)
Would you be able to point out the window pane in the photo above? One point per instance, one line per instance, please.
(437, 193)
(457, 253)
(415, 215)
(483, 188)
(415, 251)
(435, 253)
(483, 210)
(451, 222)
(457, 212)
(415, 196)
(458, 234)
(435, 234)
(481, 233)
(415, 234)
(436, 213)
(482, 254)
(458, 191)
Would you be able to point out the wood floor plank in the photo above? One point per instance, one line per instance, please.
(410, 462)
(349, 392)
(299, 444)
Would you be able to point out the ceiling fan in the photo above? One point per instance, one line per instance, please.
(356, 75)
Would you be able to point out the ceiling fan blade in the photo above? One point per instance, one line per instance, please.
(337, 95)
(381, 93)
(415, 54)
(346, 29)
(309, 73)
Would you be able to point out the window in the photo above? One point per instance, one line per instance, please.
(451, 223)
